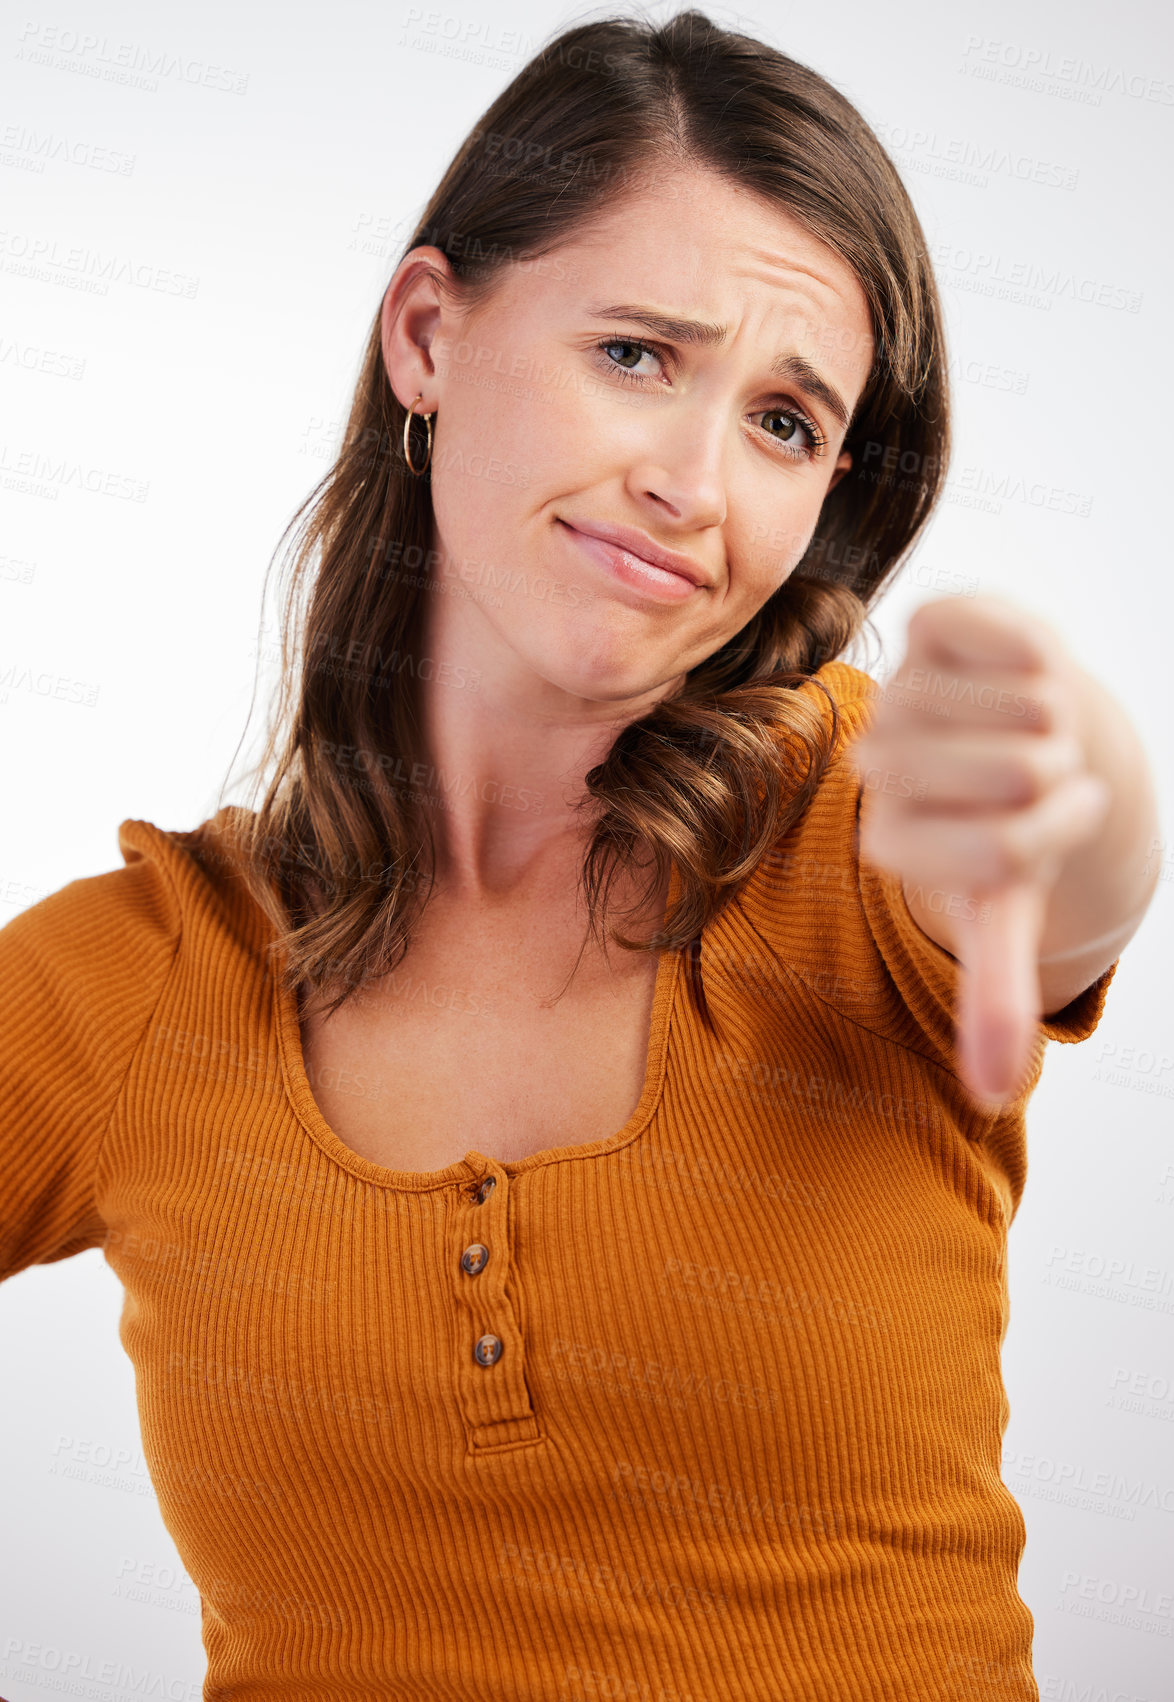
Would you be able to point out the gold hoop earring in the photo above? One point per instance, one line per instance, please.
(427, 418)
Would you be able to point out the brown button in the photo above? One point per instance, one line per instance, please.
(488, 1350)
(474, 1258)
(483, 1190)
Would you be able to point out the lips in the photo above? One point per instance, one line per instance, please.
(636, 543)
(635, 574)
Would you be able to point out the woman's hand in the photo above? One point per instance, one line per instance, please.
(978, 789)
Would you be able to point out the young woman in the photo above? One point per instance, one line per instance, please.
(524, 1307)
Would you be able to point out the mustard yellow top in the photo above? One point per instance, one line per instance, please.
(709, 1410)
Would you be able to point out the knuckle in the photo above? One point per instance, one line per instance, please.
(924, 620)
(1070, 757)
(1057, 758)
(1022, 778)
(1042, 702)
(1034, 770)
(878, 842)
(1001, 855)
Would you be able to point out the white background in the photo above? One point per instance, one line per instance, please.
(224, 403)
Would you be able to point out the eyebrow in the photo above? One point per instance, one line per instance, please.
(793, 368)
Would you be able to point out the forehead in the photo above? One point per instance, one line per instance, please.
(700, 246)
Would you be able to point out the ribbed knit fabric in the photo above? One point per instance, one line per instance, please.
(742, 1439)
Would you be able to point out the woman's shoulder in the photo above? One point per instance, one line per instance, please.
(845, 680)
(852, 690)
(202, 870)
(120, 925)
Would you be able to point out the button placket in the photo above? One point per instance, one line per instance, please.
(491, 1359)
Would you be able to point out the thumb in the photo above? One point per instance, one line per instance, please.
(999, 997)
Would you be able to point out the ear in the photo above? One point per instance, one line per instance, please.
(409, 321)
(843, 465)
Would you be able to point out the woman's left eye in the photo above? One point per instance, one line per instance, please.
(797, 424)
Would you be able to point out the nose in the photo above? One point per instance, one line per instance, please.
(682, 471)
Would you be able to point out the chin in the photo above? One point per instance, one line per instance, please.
(604, 686)
(612, 675)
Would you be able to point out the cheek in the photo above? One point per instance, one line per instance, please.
(482, 483)
(513, 447)
(770, 547)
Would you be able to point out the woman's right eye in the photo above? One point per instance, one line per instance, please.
(629, 343)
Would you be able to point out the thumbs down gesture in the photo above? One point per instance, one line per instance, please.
(998, 772)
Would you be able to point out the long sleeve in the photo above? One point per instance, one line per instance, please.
(80, 973)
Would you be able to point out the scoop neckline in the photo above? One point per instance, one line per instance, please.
(300, 1095)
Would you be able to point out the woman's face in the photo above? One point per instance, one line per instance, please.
(550, 417)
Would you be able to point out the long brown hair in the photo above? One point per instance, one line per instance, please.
(340, 854)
